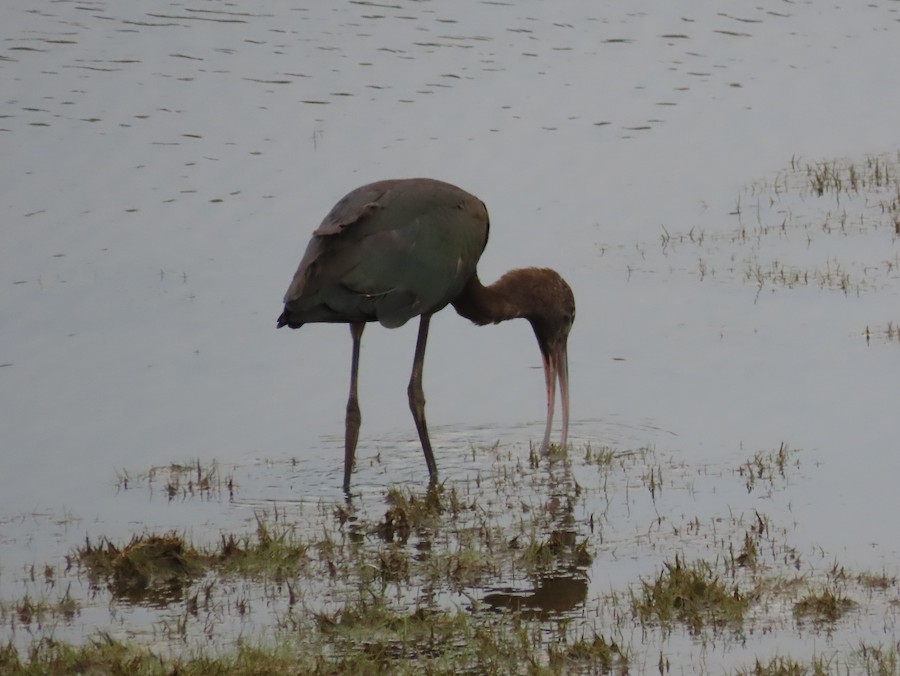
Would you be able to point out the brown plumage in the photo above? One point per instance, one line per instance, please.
(391, 250)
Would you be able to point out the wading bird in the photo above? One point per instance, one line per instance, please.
(391, 250)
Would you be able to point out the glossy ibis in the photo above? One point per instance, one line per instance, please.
(391, 250)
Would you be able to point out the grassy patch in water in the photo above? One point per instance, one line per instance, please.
(692, 594)
(827, 605)
(28, 610)
(766, 468)
(822, 224)
(500, 573)
(181, 480)
(152, 569)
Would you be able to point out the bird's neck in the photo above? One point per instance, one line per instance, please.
(504, 299)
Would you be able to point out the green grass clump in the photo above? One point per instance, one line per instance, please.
(827, 606)
(150, 568)
(409, 512)
(876, 581)
(691, 594)
(603, 655)
(276, 553)
(158, 569)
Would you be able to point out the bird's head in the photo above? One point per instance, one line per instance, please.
(552, 310)
(551, 317)
(542, 297)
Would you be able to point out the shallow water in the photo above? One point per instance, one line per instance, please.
(162, 170)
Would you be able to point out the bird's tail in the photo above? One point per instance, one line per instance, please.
(284, 321)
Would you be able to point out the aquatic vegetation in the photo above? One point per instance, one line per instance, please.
(816, 224)
(824, 606)
(692, 594)
(488, 576)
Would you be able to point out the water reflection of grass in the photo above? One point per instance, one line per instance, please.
(486, 577)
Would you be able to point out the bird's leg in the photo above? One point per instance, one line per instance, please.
(417, 395)
(353, 415)
(550, 379)
(562, 369)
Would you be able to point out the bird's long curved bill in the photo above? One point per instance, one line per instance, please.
(556, 367)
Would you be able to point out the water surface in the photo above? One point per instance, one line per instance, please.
(163, 168)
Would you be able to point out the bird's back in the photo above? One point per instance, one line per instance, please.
(386, 252)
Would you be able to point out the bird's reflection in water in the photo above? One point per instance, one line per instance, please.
(558, 593)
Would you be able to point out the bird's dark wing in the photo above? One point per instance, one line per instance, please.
(353, 207)
(387, 252)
